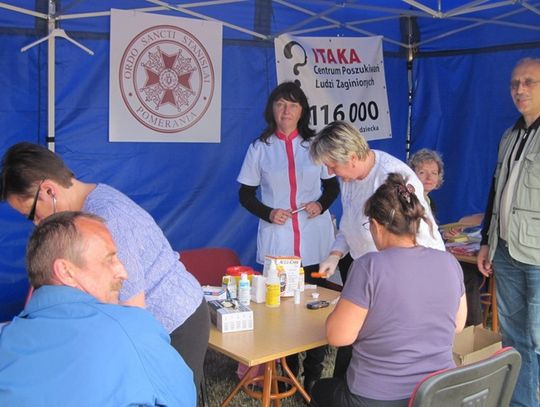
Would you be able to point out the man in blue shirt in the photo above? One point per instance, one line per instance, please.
(72, 346)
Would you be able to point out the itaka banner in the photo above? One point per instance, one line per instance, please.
(165, 78)
(343, 79)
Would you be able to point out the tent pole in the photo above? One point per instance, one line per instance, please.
(411, 34)
(51, 78)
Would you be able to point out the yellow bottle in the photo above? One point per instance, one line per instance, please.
(272, 286)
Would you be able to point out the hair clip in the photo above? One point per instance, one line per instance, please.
(404, 192)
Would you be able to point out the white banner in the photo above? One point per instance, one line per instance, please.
(343, 79)
(165, 78)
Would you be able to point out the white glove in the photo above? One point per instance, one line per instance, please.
(329, 266)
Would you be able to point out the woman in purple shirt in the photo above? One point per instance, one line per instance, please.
(382, 310)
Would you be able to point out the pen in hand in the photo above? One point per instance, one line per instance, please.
(298, 210)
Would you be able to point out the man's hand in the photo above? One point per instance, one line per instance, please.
(328, 267)
(483, 263)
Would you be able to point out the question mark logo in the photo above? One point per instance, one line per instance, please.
(287, 51)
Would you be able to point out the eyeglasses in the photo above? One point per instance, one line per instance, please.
(527, 83)
(32, 213)
(366, 224)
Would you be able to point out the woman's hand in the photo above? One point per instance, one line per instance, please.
(313, 209)
(451, 233)
(328, 267)
(280, 216)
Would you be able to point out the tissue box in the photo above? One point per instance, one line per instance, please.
(475, 343)
(229, 317)
(288, 272)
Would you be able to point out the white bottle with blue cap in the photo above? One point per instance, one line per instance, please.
(244, 290)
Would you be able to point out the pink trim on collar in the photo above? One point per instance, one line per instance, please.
(282, 136)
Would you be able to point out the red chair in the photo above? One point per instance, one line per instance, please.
(209, 264)
(487, 383)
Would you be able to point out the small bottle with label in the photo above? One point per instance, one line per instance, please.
(297, 296)
(272, 287)
(301, 280)
(244, 290)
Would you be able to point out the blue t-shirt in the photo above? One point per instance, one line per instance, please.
(68, 349)
(172, 294)
(412, 296)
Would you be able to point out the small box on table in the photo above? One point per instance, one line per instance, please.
(230, 317)
(288, 272)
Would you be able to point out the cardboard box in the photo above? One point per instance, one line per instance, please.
(258, 289)
(288, 272)
(229, 316)
(214, 293)
(475, 343)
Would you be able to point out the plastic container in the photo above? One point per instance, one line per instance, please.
(273, 294)
(301, 280)
(236, 272)
(244, 290)
(297, 296)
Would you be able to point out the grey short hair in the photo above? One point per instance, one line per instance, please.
(336, 142)
(526, 61)
(56, 237)
(424, 155)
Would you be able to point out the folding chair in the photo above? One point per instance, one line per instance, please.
(487, 383)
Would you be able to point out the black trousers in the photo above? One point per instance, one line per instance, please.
(472, 280)
(313, 362)
(191, 341)
(344, 266)
(335, 393)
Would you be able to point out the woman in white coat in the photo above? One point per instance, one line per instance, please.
(295, 194)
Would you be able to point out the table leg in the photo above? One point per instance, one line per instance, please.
(494, 312)
(295, 381)
(269, 368)
(275, 386)
(246, 377)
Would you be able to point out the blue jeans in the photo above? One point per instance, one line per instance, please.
(518, 303)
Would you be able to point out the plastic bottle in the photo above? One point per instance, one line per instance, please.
(244, 290)
(301, 280)
(272, 286)
(297, 296)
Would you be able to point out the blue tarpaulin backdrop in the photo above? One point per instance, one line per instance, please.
(460, 107)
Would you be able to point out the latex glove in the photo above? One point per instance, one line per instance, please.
(328, 267)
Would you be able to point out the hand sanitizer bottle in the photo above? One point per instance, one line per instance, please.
(244, 290)
(272, 286)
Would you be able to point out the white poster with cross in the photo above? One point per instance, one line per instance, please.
(165, 78)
